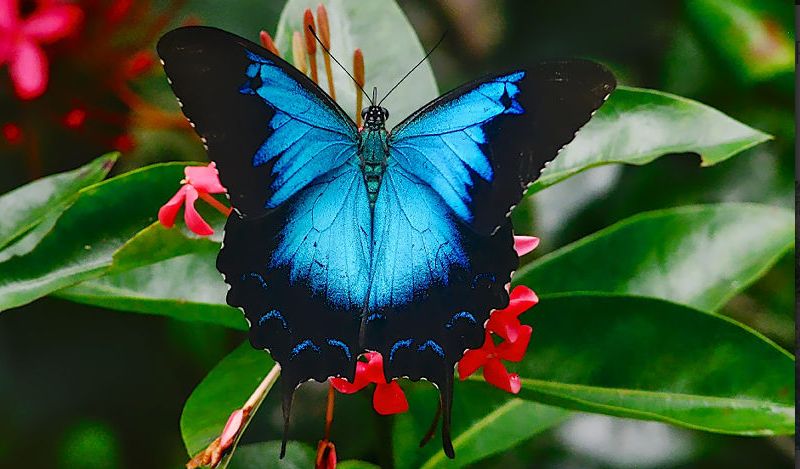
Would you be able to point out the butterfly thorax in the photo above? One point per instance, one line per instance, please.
(373, 154)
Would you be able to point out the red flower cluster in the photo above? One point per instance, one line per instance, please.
(516, 337)
(200, 182)
(21, 39)
(388, 397)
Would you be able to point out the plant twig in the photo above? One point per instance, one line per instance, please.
(226, 443)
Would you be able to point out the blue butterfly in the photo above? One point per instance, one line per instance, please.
(347, 240)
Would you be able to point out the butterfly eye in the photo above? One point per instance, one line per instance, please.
(364, 113)
(385, 113)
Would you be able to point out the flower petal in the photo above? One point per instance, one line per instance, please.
(28, 70)
(346, 387)
(470, 362)
(495, 373)
(514, 351)
(525, 244)
(522, 298)
(374, 369)
(51, 23)
(326, 455)
(205, 178)
(389, 399)
(193, 219)
(474, 359)
(504, 324)
(231, 429)
(9, 13)
(169, 211)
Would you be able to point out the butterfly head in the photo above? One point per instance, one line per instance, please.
(374, 117)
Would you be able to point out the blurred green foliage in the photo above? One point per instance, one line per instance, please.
(84, 386)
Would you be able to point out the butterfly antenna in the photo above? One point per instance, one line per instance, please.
(327, 51)
(415, 67)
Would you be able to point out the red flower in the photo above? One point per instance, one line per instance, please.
(12, 133)
(138, 64)
(388, 397)
(504, 323)
(200, 182)
(75, 118)
(21, 40)
(326, 455)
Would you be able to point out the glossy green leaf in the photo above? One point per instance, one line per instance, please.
(486, 421)
(756, 44)
(157, 243)
(261, 455)
(187, 288)
(85, 237)
(25, 243)
(636, 126)
(700, 256)
(24, 208)
(225, 389)
(353, 464)
(390, 46)
(649, 359)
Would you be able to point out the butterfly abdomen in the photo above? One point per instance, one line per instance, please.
(373, 154)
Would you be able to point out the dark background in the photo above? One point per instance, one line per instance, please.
(83, 387)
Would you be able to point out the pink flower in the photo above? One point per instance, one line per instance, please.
(21, 40)
(388, 397)
(200, 182)
(525, 244)
(505, 323)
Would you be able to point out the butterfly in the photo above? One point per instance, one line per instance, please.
(344, 239)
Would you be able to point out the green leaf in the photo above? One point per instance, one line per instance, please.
(24, 208)
(85, 237)
(187, 288)
(649, 359)
(636, 126)
(225, 389)
(157, 243)
(261, 455)
(486, 421)
(756, 45)
(389, 43)
(353, 464)
(700, 256)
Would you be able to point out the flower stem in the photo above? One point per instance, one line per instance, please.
(222, 208)
(329, 412)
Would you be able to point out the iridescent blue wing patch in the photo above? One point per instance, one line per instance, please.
(269, 128)
(481, 145)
